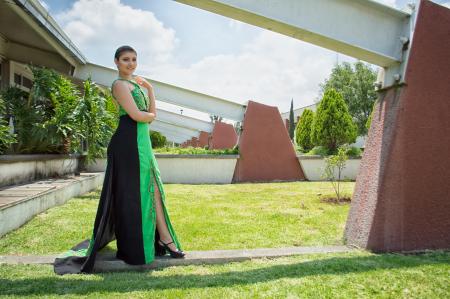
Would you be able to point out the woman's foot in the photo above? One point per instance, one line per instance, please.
(172, 249)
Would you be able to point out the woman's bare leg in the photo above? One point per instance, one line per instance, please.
(161, 224)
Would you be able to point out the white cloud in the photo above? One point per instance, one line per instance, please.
(446, 4)
(99, 27)
(270, 69)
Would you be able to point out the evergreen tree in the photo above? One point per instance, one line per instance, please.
(333, 125)
(291, 121)
(355, 83)
(303, 130)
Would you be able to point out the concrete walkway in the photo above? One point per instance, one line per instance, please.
(20, 203)
(107, 262)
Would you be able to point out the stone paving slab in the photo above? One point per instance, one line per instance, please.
(6, 200)
(10, 195)
(107, 262)
(20, 203)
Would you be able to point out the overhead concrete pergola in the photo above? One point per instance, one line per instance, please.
(363, 29)
(174, 124)
(36, 38)
(401, 200)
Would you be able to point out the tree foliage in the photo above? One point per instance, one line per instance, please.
(6, 137)
(158, 140)
(54, 118)
(291, 121)
(355, 83)
(95, 121)
(303, 130)
(333, 125)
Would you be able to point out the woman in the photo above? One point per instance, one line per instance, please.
(132, 203)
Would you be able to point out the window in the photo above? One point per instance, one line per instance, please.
(22, 82)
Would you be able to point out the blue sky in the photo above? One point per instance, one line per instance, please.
(199, 50)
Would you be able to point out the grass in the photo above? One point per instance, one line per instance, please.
(205, 217)
(347, 275)
(225, 217)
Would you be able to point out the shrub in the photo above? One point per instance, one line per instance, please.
(158, 140)
(303, 131)
(196, 151)
(333, 125)
(354, 151)
(335, 164)
(96, 119)
(318, 150)
(6, 138)
(43, 119)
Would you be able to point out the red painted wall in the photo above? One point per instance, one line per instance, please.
(266, 152)
(223, 136)
(203, 139)
(402, 195)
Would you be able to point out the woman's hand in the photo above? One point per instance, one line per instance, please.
(144, 83)
(152, 117)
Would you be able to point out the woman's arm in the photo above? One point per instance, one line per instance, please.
(151, 95)
(123, 96)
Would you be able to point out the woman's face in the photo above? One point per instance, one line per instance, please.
(127, 62)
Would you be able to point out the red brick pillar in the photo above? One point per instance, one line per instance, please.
(223, 136)
(402, 195)
(265, 149)
(203, 139)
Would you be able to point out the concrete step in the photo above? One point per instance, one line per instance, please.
(106, 262)
(20, 203)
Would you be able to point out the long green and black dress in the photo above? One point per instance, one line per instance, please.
(126, 210)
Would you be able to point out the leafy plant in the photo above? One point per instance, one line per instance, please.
(196, 151)
(95, 116)
(333, 125)
(42, 119)
(318, 150)
(303, 130)
(61, 126)
(6, 137)
(354, 151)
(334, 165)
(18, 106)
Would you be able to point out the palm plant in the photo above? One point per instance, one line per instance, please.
(95, 116)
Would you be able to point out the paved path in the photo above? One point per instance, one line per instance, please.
(12, 195)
(108, 262)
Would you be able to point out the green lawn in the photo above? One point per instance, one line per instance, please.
(227, 217)
(206, 217)
(347, 275)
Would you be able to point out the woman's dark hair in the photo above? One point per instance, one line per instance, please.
(122, 49)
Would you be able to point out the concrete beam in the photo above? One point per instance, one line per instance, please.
(169, 93)
(362, 29)
(184, 121)
(175, 130)
(44, 24)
